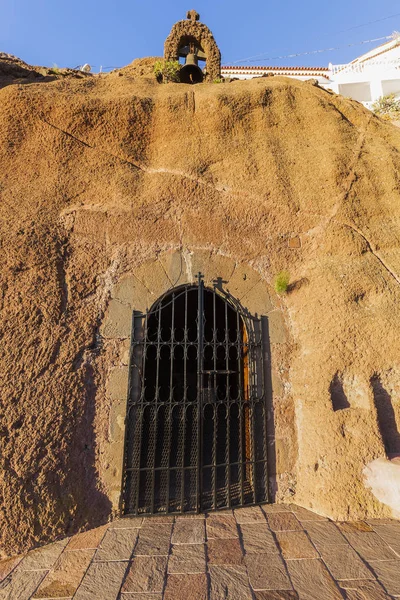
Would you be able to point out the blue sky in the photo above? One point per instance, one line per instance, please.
(68, 33)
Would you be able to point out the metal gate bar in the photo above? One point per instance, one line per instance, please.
(196, 434)
(200, 357)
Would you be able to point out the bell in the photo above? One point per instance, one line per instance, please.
(191, 72)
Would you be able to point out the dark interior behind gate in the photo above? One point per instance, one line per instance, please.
(196, 422)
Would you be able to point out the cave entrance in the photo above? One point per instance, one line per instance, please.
(196, 421)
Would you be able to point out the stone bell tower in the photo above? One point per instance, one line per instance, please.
(194, 41)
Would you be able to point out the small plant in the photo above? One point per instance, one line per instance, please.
(167, 70)
(282, 282)
(218, 80)
(387, 107)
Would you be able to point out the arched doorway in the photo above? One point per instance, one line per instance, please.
(196, 421)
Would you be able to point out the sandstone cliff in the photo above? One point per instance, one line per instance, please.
(100, 174)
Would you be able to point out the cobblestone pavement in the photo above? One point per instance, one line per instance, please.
(272, 552)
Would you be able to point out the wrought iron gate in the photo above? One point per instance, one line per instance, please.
(196, 436)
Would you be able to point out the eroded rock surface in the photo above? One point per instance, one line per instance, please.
(100, 175)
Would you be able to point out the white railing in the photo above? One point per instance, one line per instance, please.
(362, 67)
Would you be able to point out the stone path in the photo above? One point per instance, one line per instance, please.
(272, 552)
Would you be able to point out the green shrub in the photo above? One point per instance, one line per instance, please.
(218, 80)
(282, 282)
(387, 107)
(167, 70)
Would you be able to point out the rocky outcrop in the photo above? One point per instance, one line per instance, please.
(101, 174)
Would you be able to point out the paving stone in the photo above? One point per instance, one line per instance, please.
(273, 508)
(229, 582)
(284, 522)
(310, 577)
(258, 538)
(154, 539)
(87, 539)
(187, 558)
(183, 587)
(354, 595)
(64, 579)
(296, 544)
(252, 514)
(189, 516)
(188, 531)
(366, 589)
(303, 514)
(370, 546)
(388, 572)
(127, 523)
(7, 565)
(324, 533)
(224, 552)
(354, 527)
(102, 581)
(117, 544)
(20, 585)
(221, 526)
(390, 533)
(161, 519)
(141, 597)
(276, 595)
(344, 563)
(145, 596)
(146, 574)
(43, 558)
(338, 545)
(267, 572)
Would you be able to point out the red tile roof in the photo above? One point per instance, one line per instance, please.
(241, 68)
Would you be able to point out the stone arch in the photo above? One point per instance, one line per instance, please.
(137, 290)
(183, 32)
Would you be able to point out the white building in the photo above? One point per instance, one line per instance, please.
(367, 78)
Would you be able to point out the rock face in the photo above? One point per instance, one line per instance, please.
(100, 175)
(13, 71)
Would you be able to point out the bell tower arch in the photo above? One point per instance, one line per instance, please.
(192, 40)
